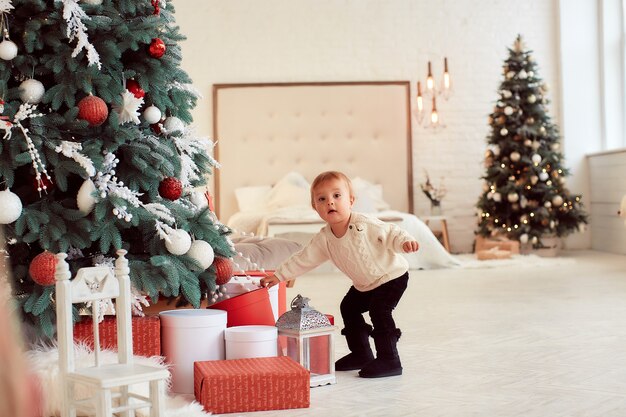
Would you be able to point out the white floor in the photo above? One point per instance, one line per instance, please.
(516, 340)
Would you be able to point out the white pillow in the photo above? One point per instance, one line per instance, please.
(291, 190)
(252, 198)
(372, 194)
(284, 194)
(363, 203)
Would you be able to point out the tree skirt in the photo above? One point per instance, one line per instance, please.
(44, 363)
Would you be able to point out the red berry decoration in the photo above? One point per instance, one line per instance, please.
(223, 270)
(156, 48)
(171, 188)
(133, 87)
(93, 109)
(42, 268)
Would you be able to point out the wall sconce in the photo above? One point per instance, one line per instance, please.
(431, 118)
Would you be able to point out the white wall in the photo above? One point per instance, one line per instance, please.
(362, 40)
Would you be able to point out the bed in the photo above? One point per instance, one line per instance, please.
(273, 139)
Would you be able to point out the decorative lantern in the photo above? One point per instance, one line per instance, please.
(309, 340)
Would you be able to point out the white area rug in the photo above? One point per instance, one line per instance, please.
(44, 362)
(469, 260)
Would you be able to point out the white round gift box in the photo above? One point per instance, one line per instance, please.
(251, 342)
(190, 335)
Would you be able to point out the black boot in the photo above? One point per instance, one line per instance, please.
(387, 362)
(360, 350)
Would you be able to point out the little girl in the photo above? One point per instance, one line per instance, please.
(367, 251)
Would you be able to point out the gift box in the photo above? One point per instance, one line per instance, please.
(146, 334)
(253, 384)
(493, 253)
(500, 243)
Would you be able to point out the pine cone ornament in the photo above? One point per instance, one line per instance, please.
(223, 270)
(42, 268)
(93, 109)
(171, 188)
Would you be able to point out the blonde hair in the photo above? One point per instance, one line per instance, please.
(327, 176)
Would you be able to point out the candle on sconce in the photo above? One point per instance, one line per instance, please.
(434, 115)
(430, 81)
(446, 77)
(420, 99)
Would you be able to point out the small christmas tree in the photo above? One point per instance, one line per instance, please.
(524, 195)
(97, 152)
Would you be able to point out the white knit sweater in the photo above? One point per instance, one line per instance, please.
(368, 253)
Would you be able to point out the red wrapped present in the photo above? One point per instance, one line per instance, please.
(255, 384)
(500, 243)
(146, 334)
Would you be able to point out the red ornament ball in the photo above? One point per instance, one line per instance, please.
(223, 270)
(171, 188)
(157, 48)
(133, 87)
(42, 268)
(93, 109)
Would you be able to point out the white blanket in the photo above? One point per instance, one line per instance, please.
(431, 254)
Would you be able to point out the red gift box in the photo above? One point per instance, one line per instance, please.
(255, 384)
(146, 334)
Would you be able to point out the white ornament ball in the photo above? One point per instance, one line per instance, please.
(523, 202)
(173, 124)
(536, 158)
(179, 243)
(523, 239)
(535, 240)
(496, 150)
(532, 98)
(510, 75)
(543, 176)
(528, 143)
(547, 204)
(506, 94)
(555, 146)
(202, 252)
(152, 114)
(85, 199)
(515, 156)
(508, 110)
(522, 75)
(557, 200)
(31, 91)
(199, 200)
(512, 197)
(10, 207)
(504, 131)
(497, 197)
(534, 179)
(8, 50)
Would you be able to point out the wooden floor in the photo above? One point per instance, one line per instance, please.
(506, 341)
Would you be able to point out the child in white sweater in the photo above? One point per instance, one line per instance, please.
(367, 251)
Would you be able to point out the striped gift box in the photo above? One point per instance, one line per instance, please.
(146, 334)
(255, 384)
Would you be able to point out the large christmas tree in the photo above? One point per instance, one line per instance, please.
(98, 153)
(524, 195)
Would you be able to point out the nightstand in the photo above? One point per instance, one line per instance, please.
(443, 233)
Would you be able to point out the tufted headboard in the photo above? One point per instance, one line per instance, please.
(264, 131)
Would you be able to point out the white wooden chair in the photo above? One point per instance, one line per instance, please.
(108, 383)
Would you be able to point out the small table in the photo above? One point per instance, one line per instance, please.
(444, 228)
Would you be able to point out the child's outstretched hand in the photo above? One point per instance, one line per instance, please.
(411, 246)
(269, 281)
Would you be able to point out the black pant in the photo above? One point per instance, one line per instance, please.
(380, 303)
